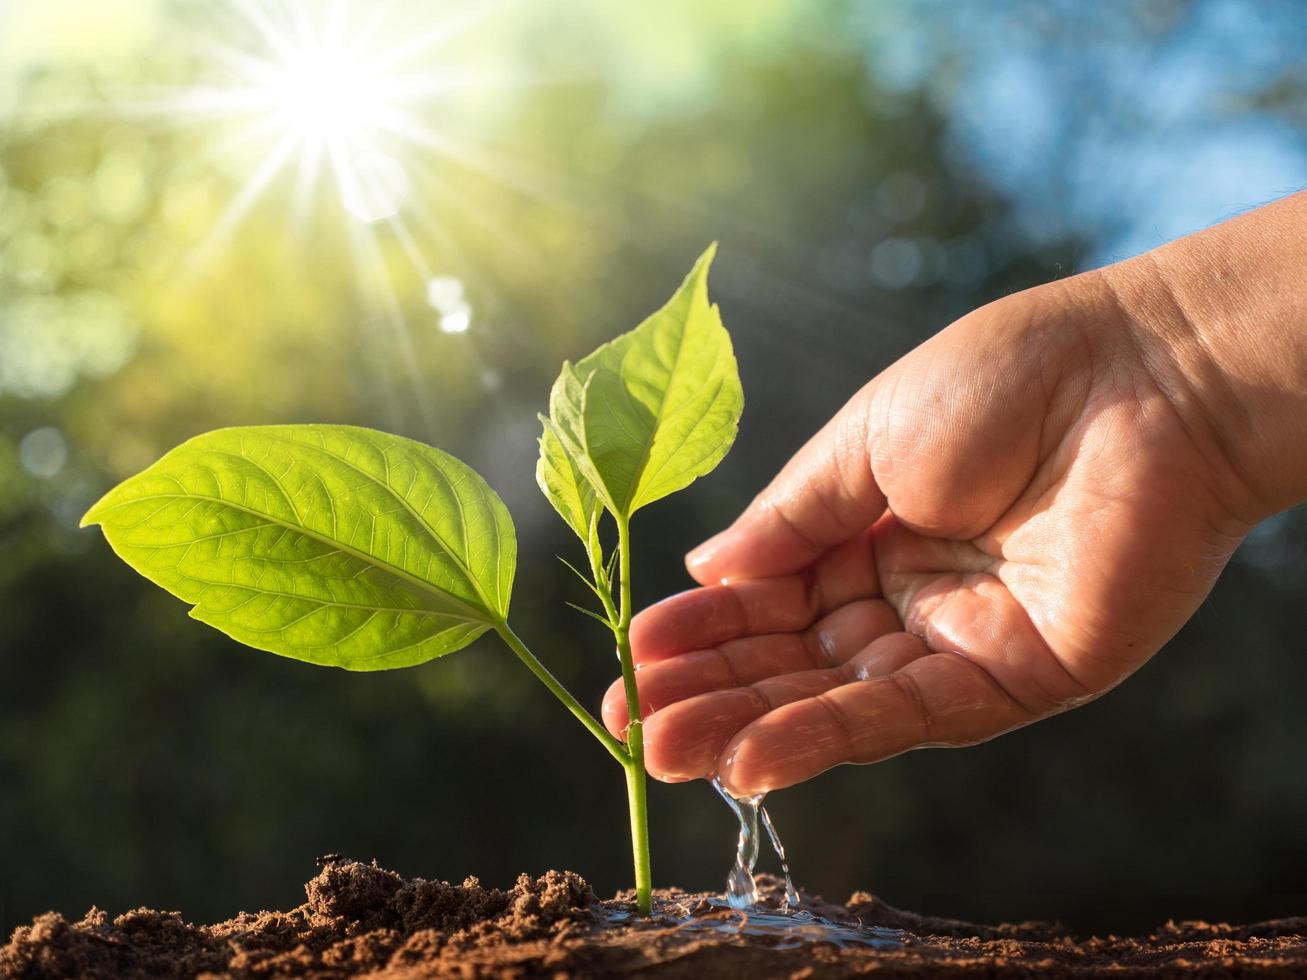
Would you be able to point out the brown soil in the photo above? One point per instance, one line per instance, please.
(361, 920)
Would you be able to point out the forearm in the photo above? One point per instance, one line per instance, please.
(1221, 317)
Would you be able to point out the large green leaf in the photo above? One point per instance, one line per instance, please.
(648, 413)
(332, 544)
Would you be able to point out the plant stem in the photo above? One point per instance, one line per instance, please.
(635, 774)
(636, 801)
(615, 748)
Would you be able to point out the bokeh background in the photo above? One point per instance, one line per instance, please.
(872, 170)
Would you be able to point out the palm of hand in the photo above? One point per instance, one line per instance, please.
(1002, 526)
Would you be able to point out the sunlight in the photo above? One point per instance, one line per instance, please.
(323, 82)
(324, 89)
(332, 96)
(325, 93)
(338, 109)
(329, 88)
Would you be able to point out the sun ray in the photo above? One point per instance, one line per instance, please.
(240, 205)
(516, 249)
(441, 33)
(399, 227)
(381, 291)
(256, 15)
(306, 182)
(467, 154)
(339, 97)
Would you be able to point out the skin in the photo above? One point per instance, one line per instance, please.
(1003, 525)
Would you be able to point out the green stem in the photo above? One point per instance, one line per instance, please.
(603, 587)
(635, 774)
(615, 748)
(638, 805)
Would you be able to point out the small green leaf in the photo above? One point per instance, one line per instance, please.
(592, 586)
(327, 543)
(612, 565)
(648, 413)
(592, 614)
(594, 549)
(567, 415)
(560, 480)
(567, 406)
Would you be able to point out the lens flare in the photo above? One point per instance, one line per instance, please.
(340, 93)
(314, 78)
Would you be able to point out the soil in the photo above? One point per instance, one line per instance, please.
(362, 920)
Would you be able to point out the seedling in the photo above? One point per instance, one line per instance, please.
(352, 548)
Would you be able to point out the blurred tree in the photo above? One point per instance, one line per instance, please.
(147, 760)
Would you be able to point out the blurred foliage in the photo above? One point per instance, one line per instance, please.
(147, 760)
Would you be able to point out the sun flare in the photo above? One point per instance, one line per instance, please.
(326, 93)
(299, 94)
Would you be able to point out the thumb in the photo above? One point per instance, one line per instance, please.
(824, 495)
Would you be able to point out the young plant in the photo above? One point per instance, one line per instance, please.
(351, 548)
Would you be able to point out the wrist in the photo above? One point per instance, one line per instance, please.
(1219, 320)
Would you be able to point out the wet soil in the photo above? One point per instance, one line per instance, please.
(362, 920)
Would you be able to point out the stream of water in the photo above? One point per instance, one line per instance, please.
(741, 889)
(739, 913)
(791, 924)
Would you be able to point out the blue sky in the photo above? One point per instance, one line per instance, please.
(1107, 121)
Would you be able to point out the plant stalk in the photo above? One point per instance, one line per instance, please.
(635, 774)
(615, 748)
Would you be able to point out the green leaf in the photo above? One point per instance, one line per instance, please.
(327, 543)
(567, 415)
(592, 614)
(594, 549)
(650, 412)
(560, 480)
(592, 586)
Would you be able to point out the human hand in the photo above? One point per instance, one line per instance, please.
(1001, 526)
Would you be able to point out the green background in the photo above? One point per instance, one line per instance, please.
(872, 171)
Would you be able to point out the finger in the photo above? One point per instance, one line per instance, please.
(830, 641)
(880, 659)
(686, 739)
(712, 615)
(823, 496)
(942, 699)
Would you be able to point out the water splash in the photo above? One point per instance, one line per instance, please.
(781, 930)
(788, 929)
(789, 926)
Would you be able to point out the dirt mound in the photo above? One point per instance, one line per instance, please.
(359, 919)
(362, 920)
